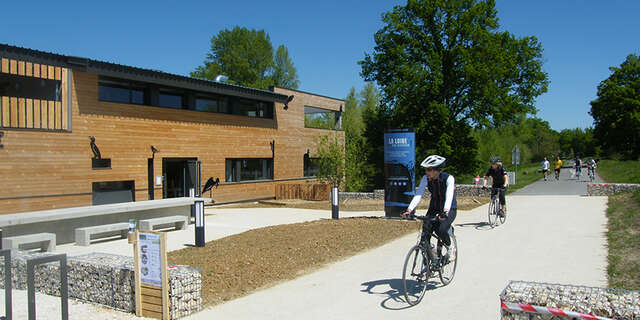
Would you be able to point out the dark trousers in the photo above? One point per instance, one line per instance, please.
(440, 227)
(500, 193)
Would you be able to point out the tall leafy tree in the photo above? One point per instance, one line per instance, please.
(444, 66)
(358, 169)
(247, 58)
(284, 74)
(616, 111)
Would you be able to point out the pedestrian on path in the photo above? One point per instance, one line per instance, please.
(545, 168)
(557, 165)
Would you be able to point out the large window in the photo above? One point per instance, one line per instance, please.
(321, 118)
(120, 91)
(12, 85)
(238, 170)
(123, 91)
(106, 192)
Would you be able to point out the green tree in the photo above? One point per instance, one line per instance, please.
(444, 66)
(358, 169)
(616, 111)
(247, 58)
(284, 74)
(580, 141)
(331, 161)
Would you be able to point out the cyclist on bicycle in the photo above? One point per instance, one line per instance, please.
(443, 199)
(578, 166)
(591, 166)
(500, 181)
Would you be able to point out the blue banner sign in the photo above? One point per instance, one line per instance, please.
(399, 164)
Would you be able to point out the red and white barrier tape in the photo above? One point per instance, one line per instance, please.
(549, 311)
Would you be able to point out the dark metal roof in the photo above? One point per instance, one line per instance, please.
(136, 74)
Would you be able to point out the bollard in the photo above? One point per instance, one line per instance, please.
(131, 235)
(197, 209)
(334, 203)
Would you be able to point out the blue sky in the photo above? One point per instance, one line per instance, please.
(326, 39)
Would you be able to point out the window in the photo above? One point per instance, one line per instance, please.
(170, 99)
(211, 104)
(12, 85)
(253, 108)
(124, 91)
(106, 192)
(120, 91)
(238, 170)
(311, 166)
(321, 118)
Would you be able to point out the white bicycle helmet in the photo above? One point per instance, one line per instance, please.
(433, 161)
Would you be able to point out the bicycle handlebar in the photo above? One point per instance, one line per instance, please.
(424, 218)
(493, 188)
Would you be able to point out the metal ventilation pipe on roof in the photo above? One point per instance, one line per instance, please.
(221, 78)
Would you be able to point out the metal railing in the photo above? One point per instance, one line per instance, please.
(64, 285)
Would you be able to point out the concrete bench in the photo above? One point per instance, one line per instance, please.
(83, 235)
(180, 222)
(63, 222)
(47, 241)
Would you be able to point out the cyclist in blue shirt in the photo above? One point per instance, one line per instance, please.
(443, 199)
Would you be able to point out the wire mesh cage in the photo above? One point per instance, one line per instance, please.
(535, 300)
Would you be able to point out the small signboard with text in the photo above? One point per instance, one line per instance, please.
(150, 263)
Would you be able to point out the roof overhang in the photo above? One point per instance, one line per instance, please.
(137, 74)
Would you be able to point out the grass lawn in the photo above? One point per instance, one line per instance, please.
(619, 171)
(623, 237)
(526, 175)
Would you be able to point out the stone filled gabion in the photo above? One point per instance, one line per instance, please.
(607, 189)
(105, 279)
(462, 190)
(603, 302)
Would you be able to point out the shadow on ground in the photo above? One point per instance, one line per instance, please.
(394, 294)
(478, 225)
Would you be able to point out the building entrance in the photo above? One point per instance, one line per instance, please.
(181, 177)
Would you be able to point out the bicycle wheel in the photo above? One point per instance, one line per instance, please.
(448, 268)
(503, 217)
(492, 212)
(415, 275)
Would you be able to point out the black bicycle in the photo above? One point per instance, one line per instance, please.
(494, 208)
(421, 262)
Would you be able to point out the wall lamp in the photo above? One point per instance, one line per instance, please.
(286, 104)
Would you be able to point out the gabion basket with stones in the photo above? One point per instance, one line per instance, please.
(602, 302)
(106, 279)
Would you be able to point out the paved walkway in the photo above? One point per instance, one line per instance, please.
(547, 237)
(568, 184)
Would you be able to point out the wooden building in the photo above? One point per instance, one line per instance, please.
(77, 132)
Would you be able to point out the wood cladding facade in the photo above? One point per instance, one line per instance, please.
(45, 162)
